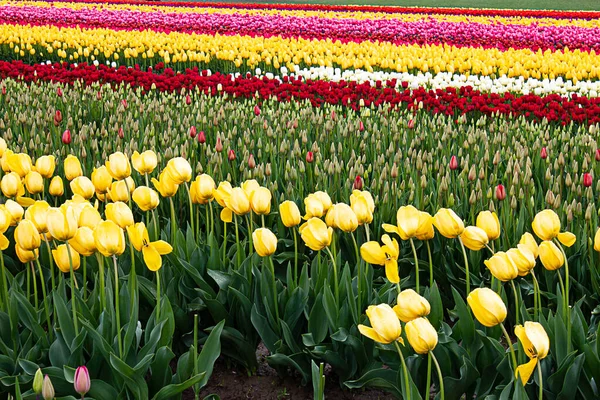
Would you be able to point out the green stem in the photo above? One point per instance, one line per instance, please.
(275, 302)
(566, 295)
(132, 276)
(73, 306)
(46, 299)
(541, 379)
(430, 262)
(510, 346)
(187, 189)
(207, 223)
(516, 294)
(224, 242)
(335, 277)
(195, 355)
(295, 255)
(35, 293)
(237, 242)
(440, 376)
(4, 283)
(117, 308)
(428, 386)
(466, 265)
(101, 273)
(414, 250)
(359, 278)
(212, 217)
(535, 302)
(404, 370)
(84, 285)
(128, 194)
(157, 295)
(51, 260)
(249, 221)
(173, 223)
(156, 230)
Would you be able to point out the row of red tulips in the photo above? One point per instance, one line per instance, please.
(449, 101)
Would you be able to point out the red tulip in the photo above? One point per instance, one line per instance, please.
(358, 183)
(66, 137)
(124, 102)
(219, 145)
(3, 90)
(587, 179)
(201, 137)
(57, 118)
(98, 96)
(500, 192)
(453, 163)
(192, 131)
(310, 157)
(59, 92)
(256, 110)
(231, 155)
(544, 153)
(598, 155)
(121, 133)
(188, 100)
(411, 124)
(361, 126)
(251, 162)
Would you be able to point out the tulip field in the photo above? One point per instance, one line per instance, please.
(393, 199)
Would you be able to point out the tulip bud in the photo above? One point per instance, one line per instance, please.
(219, 145)
(587, 179)
(3, 90)
(500, 192)
(188, 100)
(310, 157)
(66, 137)
(453, 163)
(411, 124)
(256, 110)
(598, 155)
(47, 389)
(192, 131)
(201, 137)
(59, 92)
(38, 381)
(98, 96)
(358, 183)
(57, 118)
(251, 162)
(544, 153)
(231, 155)
(124, 103)
(82, 381)
(121, 133)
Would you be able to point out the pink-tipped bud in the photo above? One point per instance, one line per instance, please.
(361, 126)
(231, 155)
(310, 157)
(121, 133)
(59, 92)
(219, 145)
(500, 192)
(251, 162)
(358, 183)
(188, 100)
(544, 153)
(98, 96)
(201, 137)
(411, 124)
(3, 90)
(587, 179)
(82, 381)
(124, 102)
(66, 137)
(256, 110)
(453, 163)
(598, 155)
(57, 118)
(333, 115)
(47, 389)
(192, 131)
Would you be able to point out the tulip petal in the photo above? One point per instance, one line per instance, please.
(25, 201)
(152, 258)
(226, 215)
(527, 345)
(525, 370)
(371, 333)
(372, 253)
(391, 271)
(3, 242)
(390, 228)
(567, 238)
(135, 237)
(162, 247)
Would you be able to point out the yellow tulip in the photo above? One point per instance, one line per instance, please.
(536, 344)
(89, 217)
(474, 238)
(165, 185)
(34, 182)
(15, 210)
(102, 179)
(421, 335)
(546, 225)
(502, 266)
(407, 219)
(118, 166)
(363, 206)
(223, 193)
(119, 191)
(83, 186)
(488, 221)
(385, 325)
(597, 240)
(5, 219)
(425, 230)
(72, 167)
(238, 201)
(27, 235)
(487, 306)
(324, 199)
(45, 165)
(83, 241)
(316, 234)
(448, 223)
(356, 194)
(179, 170)
(551, 256)
(290, 214)
(3, 147)
(249, 186)
(151, 251)
(144, 163)
(202, 189)
(61, 258)
(38, 214)
(567, 238)
(313, 207)
(146, 199)
(62, 222)
(386, 255)
(109, 239)
(26, 256)
(260, 201)
(410, 305)
(56, 188)
(226, 215)
(344, 217)
(20, 163)
(11, 185)
(529, 241)
(4, 160)
(523, 259)
(264, 241)
(120, 214)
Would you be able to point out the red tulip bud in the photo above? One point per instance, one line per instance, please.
(121, 133)
(587, 179)
(598, 155)
(544, 153)
(256, 110)
(333, 115)
(219, 145)
(411, 124)
(124, 102)
(98, 96)
(188, 100)
(358, 183)
(3, 90)
(59, 92)
(66, 137)
(192, 131)
(500, 192)
(361, 126)
(231, 155)
(201, 137)
(57, 118)
(310, 157)
(251, 162)
(82, 381)
(453, 163)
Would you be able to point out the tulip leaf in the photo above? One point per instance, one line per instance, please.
(295, 306)
(134, 381)
(560, 339)
(100, 390)
(317, 320)
(210, 352)
(264, 329)
(465, 324)
(571, 381)
(455, 387)
(437, 308)
(378, 378)
(170, 391)
(331, 309)
(293, 363)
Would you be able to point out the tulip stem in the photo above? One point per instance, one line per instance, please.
(4, 282)
(335, 277)
(295, 255)
(132, 277)
(51, 260)
(541, 379)
(224, 242)
(207, 222)
(566, 295)
(212, 217)
(117, 308)
(195, 354)
(128, 194)
(275, 302)
(250, 229)
(428, 386)
(101, 273)
(414, 250)
(510, 346)
(157, 295)
(440, 376)
(404, 370)
(72, 273)
(516, 294)
(84, 285)
(466, 265)
(237, 242)
(35, 293)
(537, 303)
(359, 278)
(187, 189)
(46, 300)
(173, 223)
(156, 229)
(430, 263)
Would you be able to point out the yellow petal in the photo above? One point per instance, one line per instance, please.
(135, 237)
(567, 238)
(162, 247)
(525, 370)
(152, 258)
(391, 271)
(527, 345)
(3, 242)
(226, 215)
(370, 333)
(390, 228)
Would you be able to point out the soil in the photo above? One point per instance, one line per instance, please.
(233, 383)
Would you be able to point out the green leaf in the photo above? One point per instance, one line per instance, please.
(210, 352)
(168, 392)
(264, 330)
(161, 373)
(377, 378)
(465, 324)
(317, 320)
(571, 381)
(100, 390)
(436, 315)
(134, 381)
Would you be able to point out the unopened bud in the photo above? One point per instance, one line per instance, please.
(251, 162)
(219, 145)
(310, 157)
(358, 183)
(231, 155)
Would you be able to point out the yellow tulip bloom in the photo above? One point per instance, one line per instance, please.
(102, 179)
(144, 163)
(62, 222)
(20, 163)
(109, 239)
(425, 230)
(146, 198)
(264, 241)
(385, 325)
(83, 186)
(165, 185)
(223, 193)
(313, 207)
(529, 241)
(72, 167)
(202, 189)
(238, 201)
(488, 221)
(27, 236)
(118, 166)
(551, 256)
(410, 305)
(56, 188)
(151, 251)
(502, 266)
(421, 335)
(448, 223)
(523, 259)
(179, 170)
(487, 306)
(34, 182)
(120, 214)
(289, 213)
(45, 165)
(260, 201)
(249, 186)
(61, 258)
(26, 256)
(38, 214)
(536, 344)
(88, 216)
(344, 217)
(15, 210)
(11, 185)
(316, 234)
(83, 241)
(474, 238)
(386, 255)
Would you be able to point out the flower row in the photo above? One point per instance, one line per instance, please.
(421, 32)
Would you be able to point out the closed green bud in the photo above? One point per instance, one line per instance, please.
(38, 381)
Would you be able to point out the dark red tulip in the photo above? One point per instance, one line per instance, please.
(587, 179)
(3, 90)
(201, 137)
(98, 96)
(500, 192)
(453, 163)
(544, 153)
(121, 133)
(256, 110)
(219, 145)
(192, 132)
(231, 155)
(59, 92)
(66, 137)
(358, 183)
(310, 157)
(188, 100)
(57, 118)
(124, 102)
(251, 162)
